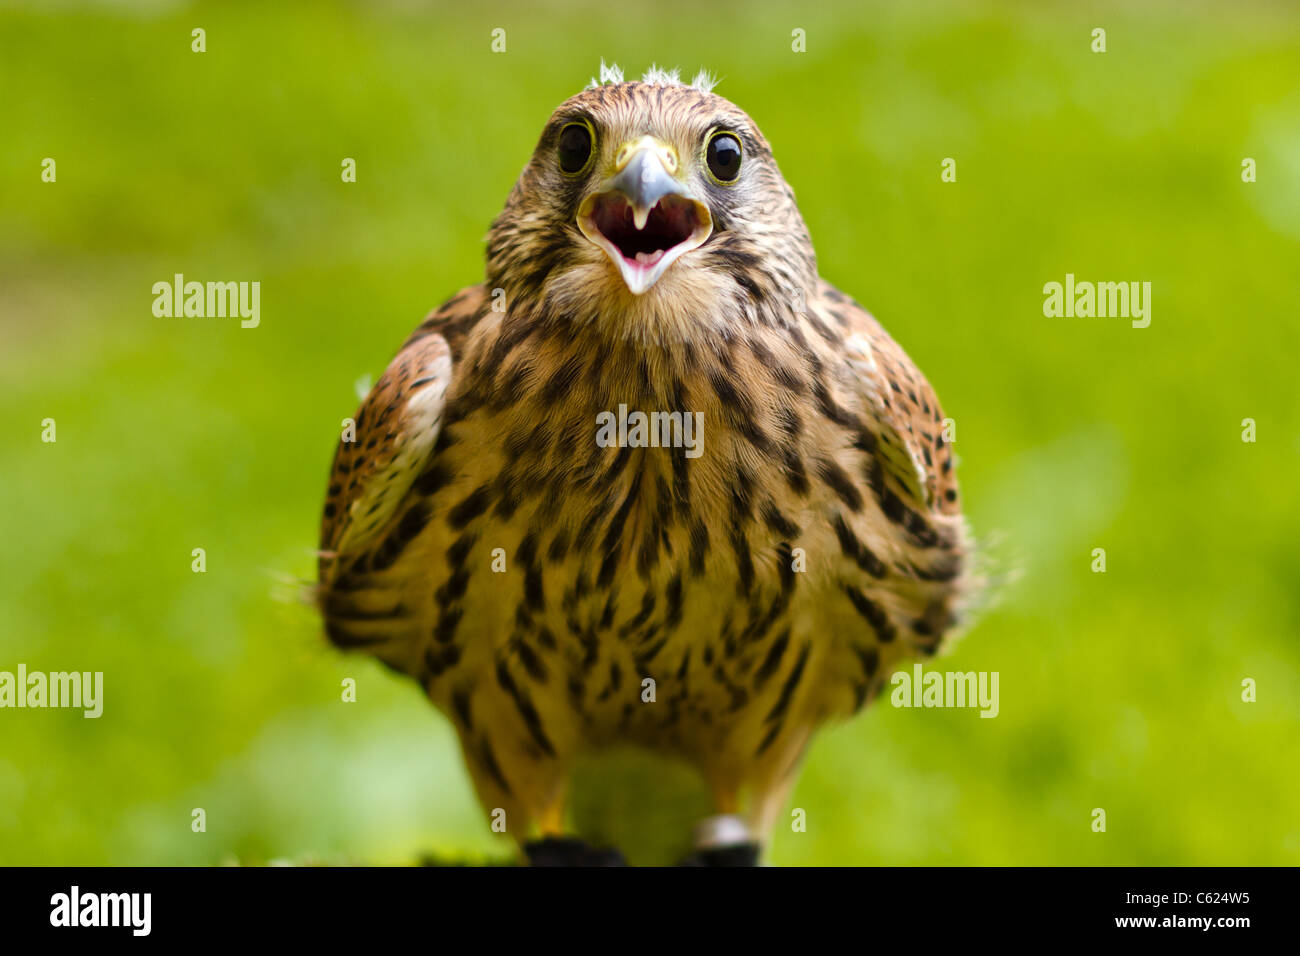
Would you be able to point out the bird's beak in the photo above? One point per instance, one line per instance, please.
(643, 216)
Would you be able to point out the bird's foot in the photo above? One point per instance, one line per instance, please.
(724, 840)
(570, 851)
(741, 854)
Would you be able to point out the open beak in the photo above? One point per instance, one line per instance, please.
(642, 216)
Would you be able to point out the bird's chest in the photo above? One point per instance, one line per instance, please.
(623, 570)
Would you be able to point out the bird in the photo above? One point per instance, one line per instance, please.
(652, 487)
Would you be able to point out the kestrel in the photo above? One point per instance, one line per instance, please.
(561, 597)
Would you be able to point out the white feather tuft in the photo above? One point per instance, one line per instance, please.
(362, 386)
(656, 76)
(704, 81)
(608, 74)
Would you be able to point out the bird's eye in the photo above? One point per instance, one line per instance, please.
(575, 148)
(723, 155)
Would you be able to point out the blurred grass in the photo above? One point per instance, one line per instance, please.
(1119, 691)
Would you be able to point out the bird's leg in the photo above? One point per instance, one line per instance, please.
(534, 814)
(725, 838)
(570, 851)
(550, 819)
(553, 848)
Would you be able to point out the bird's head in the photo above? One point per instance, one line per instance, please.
(651, 202)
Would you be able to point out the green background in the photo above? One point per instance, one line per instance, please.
(1119, 690)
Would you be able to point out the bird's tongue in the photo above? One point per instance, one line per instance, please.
(668, 224)
(674, 226)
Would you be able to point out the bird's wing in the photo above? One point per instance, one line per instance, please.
(901, 409)
(393, 436)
